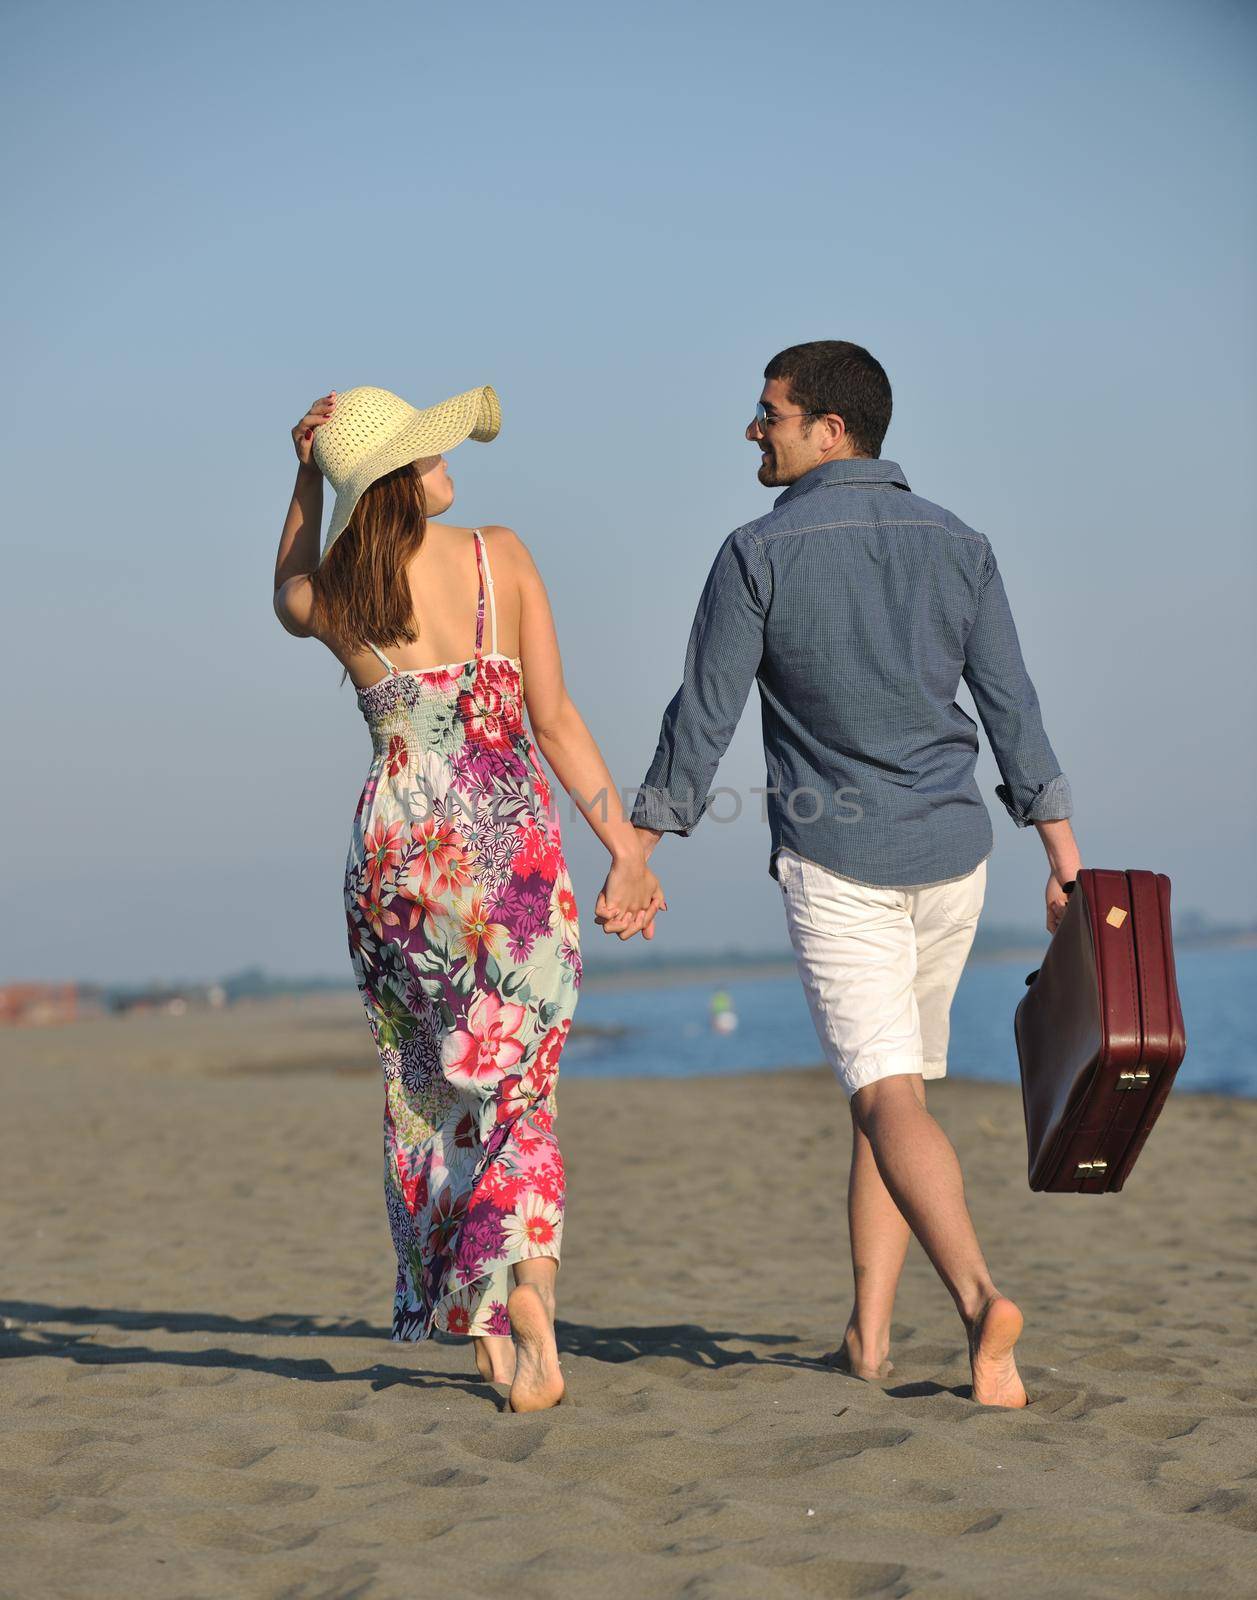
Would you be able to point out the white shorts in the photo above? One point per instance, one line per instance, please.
(879, 966)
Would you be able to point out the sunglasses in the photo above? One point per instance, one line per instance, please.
(765, 419)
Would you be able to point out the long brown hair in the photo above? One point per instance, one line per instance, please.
(358, 595)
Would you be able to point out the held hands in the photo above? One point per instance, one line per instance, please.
(303, 433)
(629, 900)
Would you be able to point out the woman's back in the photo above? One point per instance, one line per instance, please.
(443, 578)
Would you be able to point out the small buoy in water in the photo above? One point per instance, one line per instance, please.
(724, 1019)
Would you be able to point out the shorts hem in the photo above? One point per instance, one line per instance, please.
(853, 1081)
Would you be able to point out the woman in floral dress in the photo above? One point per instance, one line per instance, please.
(462, 921)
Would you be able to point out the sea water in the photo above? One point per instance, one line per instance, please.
(665, 1030)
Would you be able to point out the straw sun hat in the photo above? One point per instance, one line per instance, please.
(372, 432)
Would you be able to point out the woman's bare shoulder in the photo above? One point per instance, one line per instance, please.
(496, 536)
(507, 550)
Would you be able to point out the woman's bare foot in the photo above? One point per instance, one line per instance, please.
(852, 1358)
(996, 1381)
(538, 1382)
(495, 1358)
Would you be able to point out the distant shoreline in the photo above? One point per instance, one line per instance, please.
(313, 1036)
(602, 972)
(713, 970)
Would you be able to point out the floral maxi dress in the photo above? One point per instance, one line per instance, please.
(466, 949)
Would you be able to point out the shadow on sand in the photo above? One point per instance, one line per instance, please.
(33, 1328)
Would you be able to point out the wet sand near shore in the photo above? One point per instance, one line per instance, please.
(200, 1398)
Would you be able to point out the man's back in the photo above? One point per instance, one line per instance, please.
(858, 607)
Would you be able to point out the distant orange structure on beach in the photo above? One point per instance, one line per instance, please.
(38, 1004)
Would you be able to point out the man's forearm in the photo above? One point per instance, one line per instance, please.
(1063, 854)
(650, 837)
(726, 645)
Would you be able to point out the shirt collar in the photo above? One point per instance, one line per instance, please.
(859, 470)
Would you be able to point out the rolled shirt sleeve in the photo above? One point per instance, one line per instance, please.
(1034, 787)
(725, 649)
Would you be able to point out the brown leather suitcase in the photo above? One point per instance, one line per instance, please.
(1100, 1032)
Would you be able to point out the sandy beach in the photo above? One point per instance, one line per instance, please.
(200, 1399)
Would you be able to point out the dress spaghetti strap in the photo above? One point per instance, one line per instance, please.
(392, 669)
(486, 580)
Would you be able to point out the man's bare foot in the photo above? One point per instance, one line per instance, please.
(996, 1381)
(538, 1382)
(495, 1358)
(851, 1358)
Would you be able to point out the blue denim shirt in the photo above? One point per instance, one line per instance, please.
(857, 607)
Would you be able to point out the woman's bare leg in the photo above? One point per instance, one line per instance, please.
(922, 1174)
(538, 1382)
(495, 1357)
(494, 1352)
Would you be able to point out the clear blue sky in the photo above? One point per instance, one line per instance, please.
(1041, 219)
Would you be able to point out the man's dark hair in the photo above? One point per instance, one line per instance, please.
(832, 375)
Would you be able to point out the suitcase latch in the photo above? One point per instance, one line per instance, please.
(1138, 1079)
(1092, 1169)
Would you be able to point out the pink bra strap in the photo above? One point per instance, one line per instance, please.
(486, 582)
(480, 566)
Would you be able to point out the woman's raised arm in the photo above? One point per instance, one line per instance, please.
(298, 553)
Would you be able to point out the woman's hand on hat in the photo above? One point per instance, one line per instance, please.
(303, 433)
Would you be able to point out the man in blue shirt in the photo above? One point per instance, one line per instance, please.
(857, 607)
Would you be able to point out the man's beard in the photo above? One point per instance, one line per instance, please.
(768, 474)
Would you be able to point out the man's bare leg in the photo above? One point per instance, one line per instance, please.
(922, 1175)
(879, 1244)
(538, 1382)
